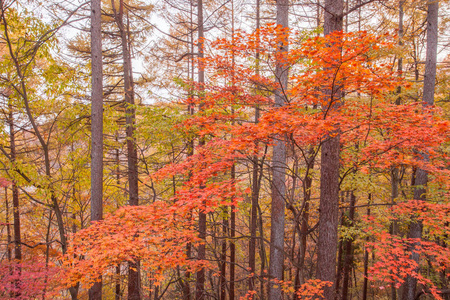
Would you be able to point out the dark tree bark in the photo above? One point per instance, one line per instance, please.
(262, 253)
(233, 178)
(279, 169)
(117, 289)
(134, 290)
(253, 224)
(395, 180)
(304, 221)
(400, 43)
(201, 251)
(255, 185)
(329, 173)
(340, 251)
(16, 205)
(232, 243)
(421, 176)
(190, 142)
(223, 256)
(95, 292)
(130, 110)
(366, 262)
(8, 227)
(348, 246)
(15, 193)
(117, 279)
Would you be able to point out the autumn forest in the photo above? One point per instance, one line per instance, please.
(225, 149)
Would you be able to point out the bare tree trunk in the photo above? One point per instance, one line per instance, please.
(8, 228)
(190, 146)
(134, 290)
(339, 260)
(394, 174)
(262, 253)
(201, 251)
(329, 174)
(348, 248)
(421, 176)
(232, 243)
(304, 228)
(393, 230)
(47, 254)
(223, 256)
(117, 293)
(255, 186)
(431, 59)
(16, 208)
(366, 259)
(304, 223)
(95, 292)
(233, 179)
(279, 169)
(400, 43)
(201, 255)
(253, 224)
(117, 279)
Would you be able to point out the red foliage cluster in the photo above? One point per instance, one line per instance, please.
(27, 280)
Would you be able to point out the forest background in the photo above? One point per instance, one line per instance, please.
(181, 149)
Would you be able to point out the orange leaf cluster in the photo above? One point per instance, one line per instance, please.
(155, 234)
(394, 254)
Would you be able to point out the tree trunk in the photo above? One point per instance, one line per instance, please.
(304, 223)
(223, 256)
(431, 59)
(233, 179)
(255, 186)
(47, 255)
(394, 174)
(262, 254)
(348, 255)
(8, 227)
(279, 169)
(190, 146)
(95, 292)
(117, 285)
(395, 181)
(329, 174)
(15, 202)
(134, 290)
(117, 279)
(201, 251)
(421, 176)
(366, 261)
(400, 43)
(232, 242)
